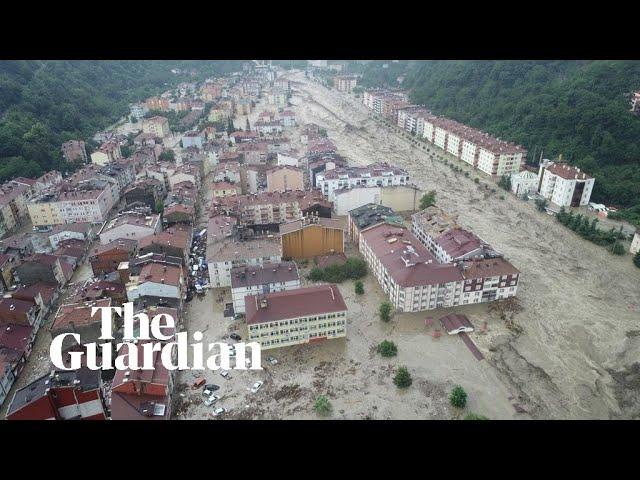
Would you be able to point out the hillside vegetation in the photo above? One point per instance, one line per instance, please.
(577, 109)
(45, 103)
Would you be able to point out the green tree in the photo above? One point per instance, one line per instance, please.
(316, 274)
(505, 183)
(355, 268)
(359, 287)
(168, 155)
(247, 126)
(385, 311)
(230, 127)
(428, 199)
(402, 379)
(541, 204)
(322, 406)
(458, 397)
(475, 416)
(636, 259)
(617, 248)
(387, 348)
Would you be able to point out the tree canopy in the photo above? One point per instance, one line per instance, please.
(45, 103)
(577, 109)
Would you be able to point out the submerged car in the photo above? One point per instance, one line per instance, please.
(256, 386)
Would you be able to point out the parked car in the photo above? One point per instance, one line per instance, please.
(219, 411)
(211, 387)
(236, 337)
(256, 386)
(272, 360)
(224, 374)
(211, 400)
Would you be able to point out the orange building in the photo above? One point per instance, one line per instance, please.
(312, 236)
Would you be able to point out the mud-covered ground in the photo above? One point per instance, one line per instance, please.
(577, 350)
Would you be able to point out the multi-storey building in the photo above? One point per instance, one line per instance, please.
(80, 204)
(414, 281)
(130, 225)
(60, 395)
(345, 83)
(272, 208)
(158, 126)
(284, 178)
(224, 254)
(564, 185)
(294, 317)
(261, 279)
(374, 175)
(138, 110)
(368, 215)
(157, 104)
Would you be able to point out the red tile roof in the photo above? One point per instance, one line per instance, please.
(300, 302)
(408, 262)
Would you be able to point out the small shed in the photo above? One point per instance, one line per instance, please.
(455, 323)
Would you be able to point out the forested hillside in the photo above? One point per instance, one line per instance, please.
(577, 109)
(45, 103)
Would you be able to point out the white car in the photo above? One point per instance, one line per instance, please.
(272, 360)
(211, 400)
(219, 411)
(224, 374)
(256, 386)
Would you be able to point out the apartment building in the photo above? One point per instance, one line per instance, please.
(271, 208)
(60, 395)
(225, 189)
(414, 281)
(345, 83)
(192, 139)
(374, 175)
(488, 154)
(142, 394)
(564, 185)
(157, 126)
(284, 178)
(224, 254)
(157, 104)
(368, 215)
(74, 151)
(431, 223)
(138, 110)
(80, 204)
(157, 282)
(295, 317)
(262, 279)
(130, 225)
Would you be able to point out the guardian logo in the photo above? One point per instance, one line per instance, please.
(150, 339)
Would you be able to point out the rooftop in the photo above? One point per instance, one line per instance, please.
(161, 273)
(84, 379)
(78, 314)
(315, 300)
(568, 172)
(434, 221)
(408, 262)
(231, 250)
(371, 214)
(252, 275)
(335, 223)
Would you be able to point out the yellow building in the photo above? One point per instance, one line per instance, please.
(311, 237)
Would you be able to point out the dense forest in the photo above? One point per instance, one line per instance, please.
(45, 103)
(577, 109)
